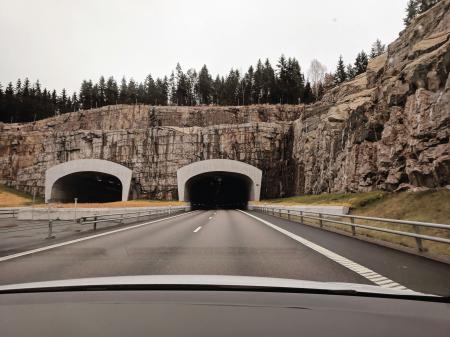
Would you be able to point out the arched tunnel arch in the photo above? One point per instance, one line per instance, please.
(219, 183)
(89, 180)
(87, 186)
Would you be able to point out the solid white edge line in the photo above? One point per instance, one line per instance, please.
(65, 243)
(197, 229)
(343, 261)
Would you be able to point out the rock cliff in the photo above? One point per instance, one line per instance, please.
(386, 129)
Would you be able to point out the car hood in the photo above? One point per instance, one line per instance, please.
(203, 281)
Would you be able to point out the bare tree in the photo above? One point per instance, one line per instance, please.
(316, 74)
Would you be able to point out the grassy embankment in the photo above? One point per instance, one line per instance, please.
(427, 206)
(12, 198)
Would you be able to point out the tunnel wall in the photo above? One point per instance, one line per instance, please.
(219, 165)
(93, 165)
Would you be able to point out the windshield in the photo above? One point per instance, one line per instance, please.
(287, 139)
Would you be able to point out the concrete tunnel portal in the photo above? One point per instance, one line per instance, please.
(88, 180)
(219, 184)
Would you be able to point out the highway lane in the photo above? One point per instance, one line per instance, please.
(220, 242)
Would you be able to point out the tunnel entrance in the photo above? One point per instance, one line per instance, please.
(218, 190)
(87, 186)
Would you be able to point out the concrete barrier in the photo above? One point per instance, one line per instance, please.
(30, 213)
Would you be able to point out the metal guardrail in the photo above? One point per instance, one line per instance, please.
(332, 218)
(8, 213)
(117, 218)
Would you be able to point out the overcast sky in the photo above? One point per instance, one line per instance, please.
(62, 42)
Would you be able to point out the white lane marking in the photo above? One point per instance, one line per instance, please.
(197, 229)
(367, 273)
(210, 218)
(37, 250)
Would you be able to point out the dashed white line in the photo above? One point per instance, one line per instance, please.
(197, 229)
(367, 273)
(210, 218)
(28, 252)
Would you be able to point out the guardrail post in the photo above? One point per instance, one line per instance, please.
(95, 223)
(170, 210)
(352, 220)
(289, 214)
(418, 240)
(301, 217)
(50, 229)
(320, 220)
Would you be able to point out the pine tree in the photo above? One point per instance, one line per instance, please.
(350, 71)
(111, 91)
(123, 92)
(377, 49)
(424, 5)
(282, 79)
(269, 83)
(308, 96)
(361, 63)
(10, 104)
(132, 91)
(412, 10)
(172, 90)
(340, 75)
(101, 91)
(205, 85)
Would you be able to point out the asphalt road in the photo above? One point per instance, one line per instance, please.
(224, 242)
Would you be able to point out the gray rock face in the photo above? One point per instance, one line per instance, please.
(386, 129)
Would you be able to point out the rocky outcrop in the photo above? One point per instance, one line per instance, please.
(386, 129)
(389, 127)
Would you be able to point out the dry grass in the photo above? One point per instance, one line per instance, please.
(427, 206)
(332, 199)
(9, 197)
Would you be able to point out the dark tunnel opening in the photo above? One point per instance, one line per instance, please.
(87, 186)
(218, 190)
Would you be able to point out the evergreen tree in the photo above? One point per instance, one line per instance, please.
(269, 83)
(248, 87)
(424, 5)
(101, 91)
(350, 71)
(172, 90)
(9, 106)
(412, 10)
(361, 63)
(205, 86)
(149, 90)
(340, 75)
(123, 92)
(308, 96)
(258, 85)
(86, 94)
(282, 79)
(111, 91)
(218, 89)
(377, 49)
(132, 91)
(62, 101)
